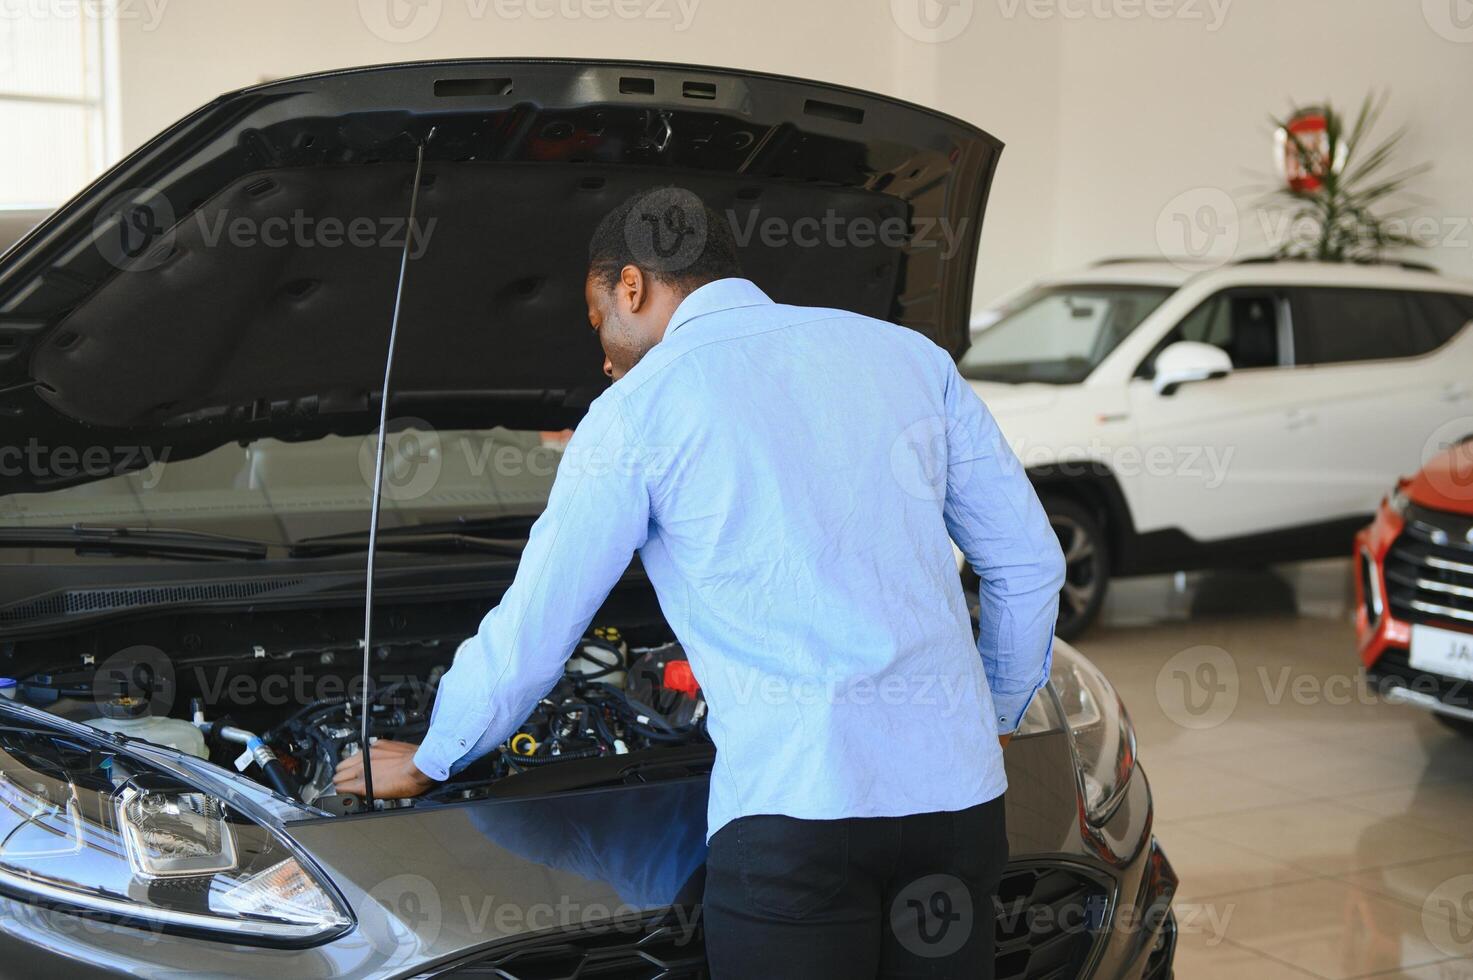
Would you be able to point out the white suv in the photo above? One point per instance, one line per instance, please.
(1256, 412)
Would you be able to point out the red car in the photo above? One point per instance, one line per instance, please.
(1414, 590)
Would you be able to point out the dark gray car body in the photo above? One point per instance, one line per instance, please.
(439, 889)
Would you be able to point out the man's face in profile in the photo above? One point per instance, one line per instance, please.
(626, 317)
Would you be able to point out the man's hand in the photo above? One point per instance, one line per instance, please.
(395, 776)
(1003, 740)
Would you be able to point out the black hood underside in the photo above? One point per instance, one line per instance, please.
(212, 287)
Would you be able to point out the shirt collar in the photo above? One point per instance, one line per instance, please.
(713, 297)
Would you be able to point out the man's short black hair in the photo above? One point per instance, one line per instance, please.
(668, 233)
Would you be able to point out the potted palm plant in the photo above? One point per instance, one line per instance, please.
(1336, 182)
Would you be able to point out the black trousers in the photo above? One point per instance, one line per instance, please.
(864, 897)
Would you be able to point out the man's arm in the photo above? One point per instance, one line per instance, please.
(596, 518)
(995, 518)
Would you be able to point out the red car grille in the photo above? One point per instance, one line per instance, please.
(1429, 569)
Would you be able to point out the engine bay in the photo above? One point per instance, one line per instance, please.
(612, 700)
(287, 714)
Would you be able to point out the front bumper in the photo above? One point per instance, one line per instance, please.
(1056, 920)
(1416, 569)
(440, 891)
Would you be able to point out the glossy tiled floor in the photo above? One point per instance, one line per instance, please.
(1317, 832)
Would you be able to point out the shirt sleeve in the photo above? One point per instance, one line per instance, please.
(597, 516)
(995, 518)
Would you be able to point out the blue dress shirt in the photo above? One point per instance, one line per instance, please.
(792, 479)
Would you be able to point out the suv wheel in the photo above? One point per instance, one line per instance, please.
(1086, 561)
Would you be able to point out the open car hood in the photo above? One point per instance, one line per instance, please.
(234, 279)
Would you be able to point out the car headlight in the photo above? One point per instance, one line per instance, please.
(1398, 501)
(1099, 728)
(89, 827)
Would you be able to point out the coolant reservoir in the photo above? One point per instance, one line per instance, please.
(601, 656)
(129, 716)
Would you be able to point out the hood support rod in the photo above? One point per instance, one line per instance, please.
(378, 475)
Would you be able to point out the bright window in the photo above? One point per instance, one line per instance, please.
(54, 63)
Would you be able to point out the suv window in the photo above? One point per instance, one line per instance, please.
(1445, 313)
(1335, 326)
(1059, 334)
(1242, 322)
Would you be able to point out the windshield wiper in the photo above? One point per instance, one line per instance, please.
(476, 535)
(428, 543)
(127, 541)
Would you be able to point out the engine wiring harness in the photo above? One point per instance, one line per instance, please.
(610, 700)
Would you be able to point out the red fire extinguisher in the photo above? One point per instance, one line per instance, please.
(1302, 150)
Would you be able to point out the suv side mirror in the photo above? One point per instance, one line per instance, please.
(1186, 361)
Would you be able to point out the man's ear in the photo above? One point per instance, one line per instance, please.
(633, 288)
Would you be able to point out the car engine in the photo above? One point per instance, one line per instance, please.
(611, 700)
(614, 698)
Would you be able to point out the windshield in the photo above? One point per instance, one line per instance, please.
(1059, 334)
(279, 492)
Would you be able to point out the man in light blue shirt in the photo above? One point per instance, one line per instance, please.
(792, 479)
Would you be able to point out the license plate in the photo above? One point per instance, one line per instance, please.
(1442, 651)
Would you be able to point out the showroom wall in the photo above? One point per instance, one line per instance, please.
(1103, 158)
(1163, 127)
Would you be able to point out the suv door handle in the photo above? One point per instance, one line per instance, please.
(1298, 418)
(1455, 391)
